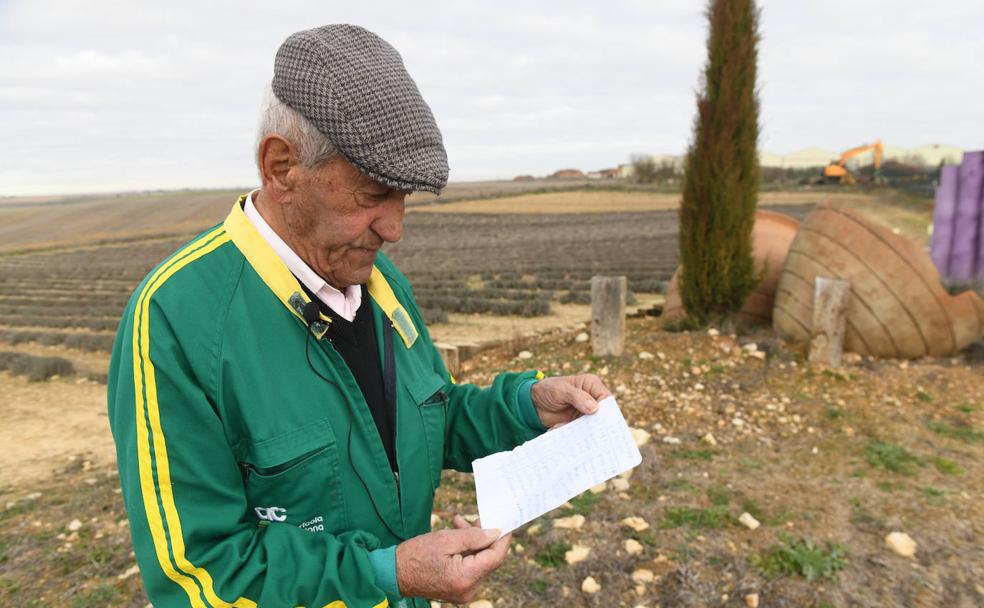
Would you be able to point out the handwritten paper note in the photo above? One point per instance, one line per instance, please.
(518, 486)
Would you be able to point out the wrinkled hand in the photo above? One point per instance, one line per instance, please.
(560, 399)
(448, 565)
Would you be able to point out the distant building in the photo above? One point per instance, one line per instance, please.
(523, 178)
(627, 171)
(568, 174)
(929, 155)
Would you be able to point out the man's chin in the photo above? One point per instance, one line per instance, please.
(358, 276)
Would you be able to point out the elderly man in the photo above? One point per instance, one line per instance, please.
(280, 413)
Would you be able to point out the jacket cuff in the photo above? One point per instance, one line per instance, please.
(384, 565)
(525, 410)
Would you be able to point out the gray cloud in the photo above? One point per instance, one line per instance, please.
(111, 94)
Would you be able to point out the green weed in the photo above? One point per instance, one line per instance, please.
(646, 537)
(538, 586)
(802, 557)
(891, 457)
(751, 507)
(749, 463)
(582, 505)
(552, 555)
(714, 517)
(924, 396)
(719, 495)
(778, 519)
(966, 408)
(963, 433)
(945, 466)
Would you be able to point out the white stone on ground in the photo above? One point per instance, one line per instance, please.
(901, 543)
(574, 522)
(525, 355)
(641, 436)
(74, 525)
(636, 523)
(643, 575)
(581, 337)
(590, 585)
(633, 547)
(645, 356)
(752, 600)
(709, 439)
(620, 485)
(598, 489)
(577, 554)
(134, 569)
(481, 604)
(748, 521)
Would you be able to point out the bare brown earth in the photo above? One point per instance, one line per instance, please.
(57, 221)
(603, 201)
(60, 221)
(45, 424)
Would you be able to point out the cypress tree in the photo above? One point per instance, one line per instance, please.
(722, 177)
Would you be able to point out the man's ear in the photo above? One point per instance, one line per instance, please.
(276, 159)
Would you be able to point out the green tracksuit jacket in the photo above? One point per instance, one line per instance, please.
(246, 480)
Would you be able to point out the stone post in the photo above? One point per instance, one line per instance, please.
(608, 296)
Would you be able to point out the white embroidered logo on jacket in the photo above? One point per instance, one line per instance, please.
(271, 513)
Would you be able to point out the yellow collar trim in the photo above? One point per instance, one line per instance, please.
(284, 285)
(382, 293)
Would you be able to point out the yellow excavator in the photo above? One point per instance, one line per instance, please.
(837, 171)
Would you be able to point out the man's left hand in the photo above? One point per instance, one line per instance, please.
(560, 399)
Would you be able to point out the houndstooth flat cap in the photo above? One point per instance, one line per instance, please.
(352, 85)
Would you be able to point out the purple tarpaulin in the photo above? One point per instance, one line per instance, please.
(943, 212)
(967, 219)
(979, 275)
(958, 221)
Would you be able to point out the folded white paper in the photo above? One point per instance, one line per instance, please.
(518, 486)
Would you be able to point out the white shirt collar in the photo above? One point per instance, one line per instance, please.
(346, 303)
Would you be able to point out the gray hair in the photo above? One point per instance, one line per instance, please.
(312, 147)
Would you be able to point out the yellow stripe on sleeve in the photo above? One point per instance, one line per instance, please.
(147, 409)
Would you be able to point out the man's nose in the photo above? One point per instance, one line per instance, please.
(389, 225)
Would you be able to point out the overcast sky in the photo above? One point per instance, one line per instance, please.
(104, 95)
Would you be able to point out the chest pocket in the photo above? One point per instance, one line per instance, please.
(431, 402)
(294, 478)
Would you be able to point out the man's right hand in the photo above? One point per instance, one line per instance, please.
(448, 565)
